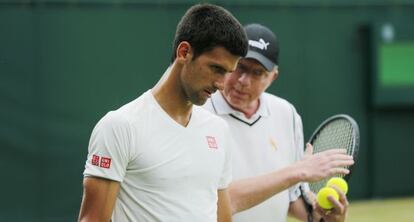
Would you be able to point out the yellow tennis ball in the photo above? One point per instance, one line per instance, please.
(322, 197)
(338, 182)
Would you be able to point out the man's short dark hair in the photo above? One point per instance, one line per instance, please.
(206, 26)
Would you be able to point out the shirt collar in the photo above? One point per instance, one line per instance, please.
(221, 107)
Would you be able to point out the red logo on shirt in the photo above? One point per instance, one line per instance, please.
(211, 141)
(95, 160)
(105, 162)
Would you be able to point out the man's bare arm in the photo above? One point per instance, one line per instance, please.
(223, 206)
(249, 192)
(99, 196)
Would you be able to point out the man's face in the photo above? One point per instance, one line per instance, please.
(204, 75)
(243, 87)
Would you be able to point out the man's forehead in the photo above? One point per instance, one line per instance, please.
(223, 58)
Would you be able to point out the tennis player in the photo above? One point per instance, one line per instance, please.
(267, 161)
(159, 157)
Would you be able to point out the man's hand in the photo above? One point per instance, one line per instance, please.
(339, 211)
(316, 167)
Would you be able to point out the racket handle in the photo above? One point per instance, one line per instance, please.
(308, 205)
(310, 218)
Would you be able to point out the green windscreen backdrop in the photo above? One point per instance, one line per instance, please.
(66, 63)
(392, 65)
(396, 64)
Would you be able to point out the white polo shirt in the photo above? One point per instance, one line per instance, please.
(270, 140)
(167, 172)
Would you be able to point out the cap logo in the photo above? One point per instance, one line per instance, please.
(261, 44)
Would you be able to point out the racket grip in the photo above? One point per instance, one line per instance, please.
(310, 218)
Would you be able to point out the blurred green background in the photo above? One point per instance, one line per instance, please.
(65, 63)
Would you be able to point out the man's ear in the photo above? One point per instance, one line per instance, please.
(184, 51)
(275, 74)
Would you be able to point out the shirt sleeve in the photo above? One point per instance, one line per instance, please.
(294, 191)
(109, 147)
(226, 176)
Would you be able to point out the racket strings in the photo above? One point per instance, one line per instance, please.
(336, 134)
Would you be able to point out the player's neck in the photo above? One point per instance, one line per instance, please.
(168, 94)
(247, 109)
(250, 109)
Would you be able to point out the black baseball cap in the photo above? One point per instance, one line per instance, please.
(263, 45)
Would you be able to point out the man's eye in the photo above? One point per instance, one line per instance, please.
(220, 70)
(240, 68)
(258, 72)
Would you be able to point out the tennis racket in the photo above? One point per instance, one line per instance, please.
(338, 131)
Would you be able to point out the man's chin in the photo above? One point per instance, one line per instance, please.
(235, 102)
(237, 96)
(199, 101)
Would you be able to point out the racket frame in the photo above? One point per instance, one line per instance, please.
(355, 135)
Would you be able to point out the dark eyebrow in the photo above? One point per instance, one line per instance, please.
(260, 70)
(219, 68)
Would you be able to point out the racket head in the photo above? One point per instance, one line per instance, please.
(338, 131)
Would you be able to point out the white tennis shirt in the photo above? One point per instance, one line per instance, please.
(167, 172)
(270, 140)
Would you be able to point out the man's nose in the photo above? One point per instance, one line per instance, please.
(244, 79)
